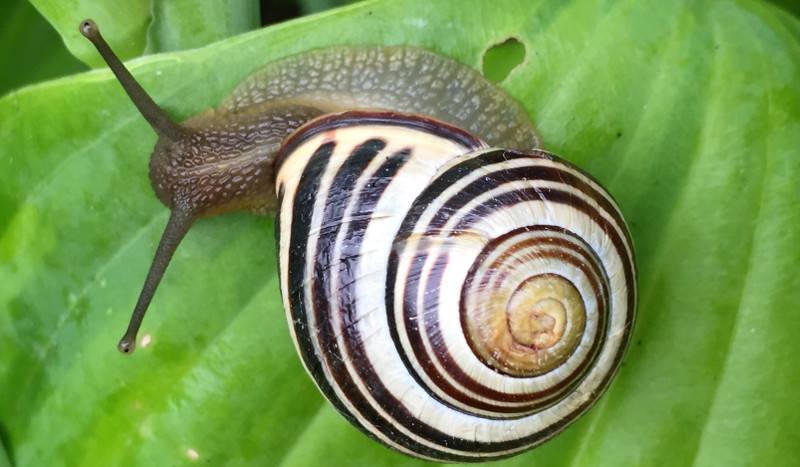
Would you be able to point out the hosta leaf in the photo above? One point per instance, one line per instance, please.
(126, 23)
(188, 24)
(138, 27)
(689, 112)
(30, 49)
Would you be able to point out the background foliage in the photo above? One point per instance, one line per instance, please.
(689, 112)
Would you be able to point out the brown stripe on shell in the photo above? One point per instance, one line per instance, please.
(368, 375)
(382, 415)
(583, 260)
(566, 175)
(321, 308)
(556, 175)
(565, 197)
(529, 402)
(623, 245)
(364, 118)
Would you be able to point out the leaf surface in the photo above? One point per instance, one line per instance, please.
(689, 113)
(141, 27)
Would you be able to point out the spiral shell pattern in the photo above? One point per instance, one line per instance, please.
(454, 302)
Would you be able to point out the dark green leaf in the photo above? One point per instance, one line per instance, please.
(124, 25)
(138, 27)
(30, 50)
(188, 24)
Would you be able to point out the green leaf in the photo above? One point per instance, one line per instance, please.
(30, 50)
(188, 24)
(316, 6)
(138, 27)
(500, 59)
(689, 112)
(124, 25)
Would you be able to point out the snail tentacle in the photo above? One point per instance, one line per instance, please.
(454, 300)
(162, 123)
(179, 223)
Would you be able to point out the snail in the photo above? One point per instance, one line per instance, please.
(454, 300)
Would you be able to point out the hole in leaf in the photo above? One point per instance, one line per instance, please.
(500, 59)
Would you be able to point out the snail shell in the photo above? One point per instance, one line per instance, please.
(454, 302)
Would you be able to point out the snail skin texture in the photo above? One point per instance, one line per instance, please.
(454, 300)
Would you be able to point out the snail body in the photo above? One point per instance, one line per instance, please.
(453, 300)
